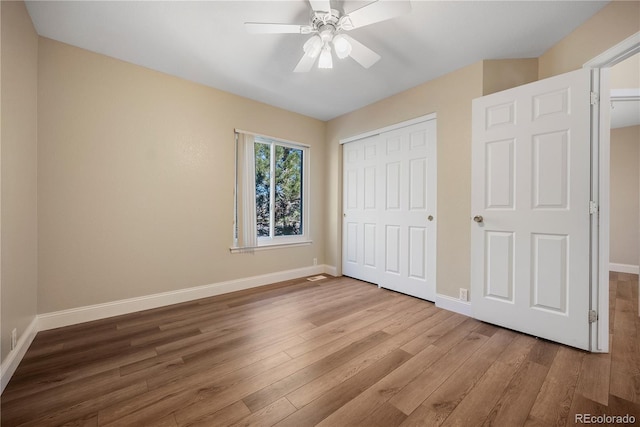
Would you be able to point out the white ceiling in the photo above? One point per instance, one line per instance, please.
(206, 42)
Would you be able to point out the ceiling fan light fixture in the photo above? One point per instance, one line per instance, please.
(326, 27)
(342, 46)
(326, 33)
(325, 61)
(312, 47)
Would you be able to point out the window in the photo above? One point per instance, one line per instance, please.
(271, 192)
(279, 178)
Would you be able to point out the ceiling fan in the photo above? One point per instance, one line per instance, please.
(327, 27)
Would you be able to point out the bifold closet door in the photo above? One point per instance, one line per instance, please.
(389, 227)
(360, 206)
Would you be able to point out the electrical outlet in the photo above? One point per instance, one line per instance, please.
(315, 261)
(464, 296)
(14, 339)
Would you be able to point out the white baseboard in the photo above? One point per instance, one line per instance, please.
(13, 359)
(131, 305)
(453, 304)
(331, 269)
(624, 268)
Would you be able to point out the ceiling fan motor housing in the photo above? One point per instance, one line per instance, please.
(323, 21)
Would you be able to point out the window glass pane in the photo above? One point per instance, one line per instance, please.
(288, 191)
(263, 177)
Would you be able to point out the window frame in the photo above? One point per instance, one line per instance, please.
(273, 241)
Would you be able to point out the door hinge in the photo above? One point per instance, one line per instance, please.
(593, 207)
(595, 98)
(593, 316)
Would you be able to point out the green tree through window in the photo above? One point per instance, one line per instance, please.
(263, 188)
(279, 179)
(288, 191)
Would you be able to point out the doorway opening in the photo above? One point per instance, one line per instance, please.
(600, 67)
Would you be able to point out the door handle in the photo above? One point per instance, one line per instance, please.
(430, 217)
(478, 219)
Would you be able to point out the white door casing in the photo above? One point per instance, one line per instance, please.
(600, 66)
(530, 262)
(389, 227)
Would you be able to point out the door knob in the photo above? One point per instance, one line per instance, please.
(430, 217)
(478, 218)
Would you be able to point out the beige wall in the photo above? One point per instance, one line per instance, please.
(626, 74)
(501, 74)
(625, 147)
(135, 168)
(450, 98)
(18, 96)
(136, 175)
(611, 25)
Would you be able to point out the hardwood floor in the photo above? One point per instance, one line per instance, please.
(334, 352)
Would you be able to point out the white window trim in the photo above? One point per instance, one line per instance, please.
(274, 138)
(238, 249)
(281, 241)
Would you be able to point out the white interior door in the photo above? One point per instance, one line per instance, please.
(530, 202)
(389, 227)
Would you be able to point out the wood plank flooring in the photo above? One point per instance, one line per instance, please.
(336, 352)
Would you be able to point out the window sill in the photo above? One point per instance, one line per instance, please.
(239, 250)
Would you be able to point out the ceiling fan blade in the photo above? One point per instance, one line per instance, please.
(362, 54)
(305, 64)
(268, 28)
(320, 5)
(377, 11)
